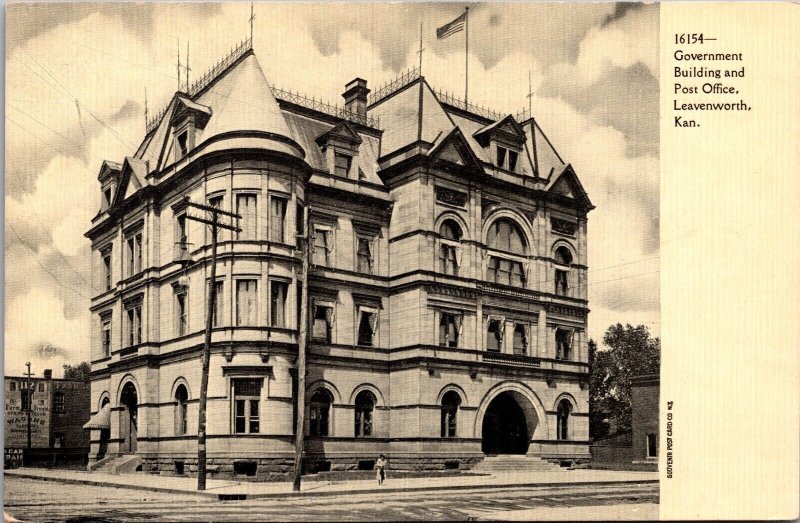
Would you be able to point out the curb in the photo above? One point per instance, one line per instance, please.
(293, 495)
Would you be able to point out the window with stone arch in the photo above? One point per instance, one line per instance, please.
(320, 412)
(451, 401)
(450, 247)
(181, 418)
(505, 265)
(562, 419)
(365, 407)
(563, 260)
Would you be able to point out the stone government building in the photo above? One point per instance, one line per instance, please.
(447, 284)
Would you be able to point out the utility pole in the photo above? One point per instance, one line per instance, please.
(29, 393)
(301, 359)
(215, 224)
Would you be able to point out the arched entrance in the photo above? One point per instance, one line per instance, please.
(509, 422)
(127, 423)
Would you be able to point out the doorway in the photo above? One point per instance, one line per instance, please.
(128, 418)
(505, 427)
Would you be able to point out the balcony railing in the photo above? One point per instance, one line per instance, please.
(516, 359)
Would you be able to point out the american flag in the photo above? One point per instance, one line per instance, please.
(451, 28)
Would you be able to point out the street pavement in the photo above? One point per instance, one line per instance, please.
(36, 500)
(250, 489)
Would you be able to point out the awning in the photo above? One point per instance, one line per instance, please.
(101, 420)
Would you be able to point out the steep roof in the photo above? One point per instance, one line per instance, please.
(242, 101)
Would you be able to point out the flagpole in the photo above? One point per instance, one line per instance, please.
(466, 57)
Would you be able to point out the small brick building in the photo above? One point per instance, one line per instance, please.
(59, 409)
(644, 406)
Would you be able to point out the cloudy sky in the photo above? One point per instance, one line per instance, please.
(76, 76)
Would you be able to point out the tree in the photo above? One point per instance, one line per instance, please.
(631, 351)
(79, 372)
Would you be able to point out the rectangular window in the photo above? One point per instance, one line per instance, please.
(652, 446)
(107, 270)
(59, 405)
(41, 387)
(323, 323)
(105, 336)
(563, 344)
(299, 224)
(134, 325)
(246, 397)
(562, 285)
(138, 265)
(520, 339)
(219, 305)
(131, 256)
(180, 229)
(494, 336)
(501, 157)
(506, 272)
(449, 329)
(181, 313)
(12, 385)
(512, 160)
(448, 260)
(25, 397)
(278, 293)
(342, 164)
(246, 309)
(246, 208)
(322, 246)
(367, 326)
(215, 201)
(364, 256)
(183, 144)
(277, 219)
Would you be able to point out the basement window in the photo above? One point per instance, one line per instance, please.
(245, 468)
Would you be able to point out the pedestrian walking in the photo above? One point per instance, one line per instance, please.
(380, 468)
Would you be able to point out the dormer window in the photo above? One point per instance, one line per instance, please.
(340, 146)
(507, 158)
(107, 197)
(183, 140)
(342, 163)
(503, 141)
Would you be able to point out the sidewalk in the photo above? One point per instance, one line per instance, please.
(232, 489)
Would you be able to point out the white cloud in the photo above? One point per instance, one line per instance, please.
(38, 316)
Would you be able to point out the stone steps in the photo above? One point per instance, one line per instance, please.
(514, 463)
(122, 465)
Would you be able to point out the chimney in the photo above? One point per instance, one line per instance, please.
(355, 96)
(48, 374)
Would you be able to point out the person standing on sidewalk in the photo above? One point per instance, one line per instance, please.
(380, 468)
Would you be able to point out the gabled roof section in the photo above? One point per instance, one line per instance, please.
(546, 160)
(400, 117)
(566, 183)
(108, 168)
(342, 131)
(185, 106)
(134, 176)
(454, 148)
(507, 127)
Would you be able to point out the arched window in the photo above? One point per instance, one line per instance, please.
(450, 403)
(449, 249)
(365, 405)
(105, 401)
(563, 258)
(562, 425)
(320, 412)
(505, 235)
(181, 397)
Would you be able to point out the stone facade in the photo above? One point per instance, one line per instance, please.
(438, 283)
